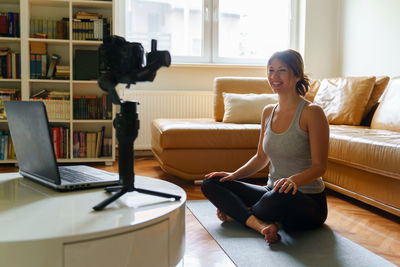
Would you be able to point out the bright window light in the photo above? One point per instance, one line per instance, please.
(212, 31)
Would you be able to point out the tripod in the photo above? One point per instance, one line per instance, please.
(126, 124)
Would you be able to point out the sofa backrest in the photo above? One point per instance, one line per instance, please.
(386, 115)
(237, 85)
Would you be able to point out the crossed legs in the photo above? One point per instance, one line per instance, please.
(260, 208)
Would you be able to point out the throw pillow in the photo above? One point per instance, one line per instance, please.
(379, 87)
(344, 99)
(313, 90)
(386, 115)
(246, 108)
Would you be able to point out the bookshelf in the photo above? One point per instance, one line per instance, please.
(10, 45)
(48, 32)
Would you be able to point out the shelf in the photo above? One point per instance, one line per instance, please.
(51, 3)
(5, 161)
(14, 2)
(84, 82)
(10, 39)
(9, 80)
(93, 121)
(86, 42)
(104, 4)
(48, 81)
(49, 41)
(59, 121)
(56, 10)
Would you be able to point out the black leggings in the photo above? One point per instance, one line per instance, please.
(240, 200)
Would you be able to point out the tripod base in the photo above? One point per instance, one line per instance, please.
(121, 190)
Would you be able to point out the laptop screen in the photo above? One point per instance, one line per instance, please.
(30, 132)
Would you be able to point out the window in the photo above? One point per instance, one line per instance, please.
(212, 31)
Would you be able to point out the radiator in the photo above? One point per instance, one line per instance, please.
(167, 104)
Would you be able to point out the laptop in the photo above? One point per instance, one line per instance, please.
(31, 135)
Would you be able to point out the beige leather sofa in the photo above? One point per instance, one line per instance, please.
(364, 161)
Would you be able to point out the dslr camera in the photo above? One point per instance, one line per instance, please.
(126, 62)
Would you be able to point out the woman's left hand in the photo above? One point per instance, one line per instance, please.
(285, 185)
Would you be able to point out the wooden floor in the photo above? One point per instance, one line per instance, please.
(371, 228)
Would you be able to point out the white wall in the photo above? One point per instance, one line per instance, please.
(370, 37)
(321, 38)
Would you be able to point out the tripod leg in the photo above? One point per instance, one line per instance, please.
(159, 194)
(107, 201)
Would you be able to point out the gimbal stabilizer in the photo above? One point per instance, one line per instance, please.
(126, 123)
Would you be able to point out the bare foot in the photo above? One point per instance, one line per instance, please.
(271, 233)
(223, 217)
(268, 230)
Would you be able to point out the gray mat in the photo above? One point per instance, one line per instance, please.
(321, 247)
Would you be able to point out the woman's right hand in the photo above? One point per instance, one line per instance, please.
(226, 176)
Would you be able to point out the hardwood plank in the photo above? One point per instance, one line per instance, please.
(369, 227)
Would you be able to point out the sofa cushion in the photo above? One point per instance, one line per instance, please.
(313, 90)
(238, 85)
(387, 114)
(374, 150)
(246, 108)
(379, 87)
(204, 134)
(344, 99)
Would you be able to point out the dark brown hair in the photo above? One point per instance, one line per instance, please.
(295, 62)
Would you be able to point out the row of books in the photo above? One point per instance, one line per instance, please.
(91, 144)
(7, 94)
(90, 29)
(10, 64)
(92, 107)
(61, 137)
(41, 68)
(38, 66)
(9, 24)
(85, 144)
(6, 146)
(57, 109)
(49, 28)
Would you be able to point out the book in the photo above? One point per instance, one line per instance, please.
(38, 48)
(52, 66)
(86, 65)
(41, 94)
(56, 141)
(87, 15)
(99, 142)
(3, 24)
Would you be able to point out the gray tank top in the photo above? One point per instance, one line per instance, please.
(289, 152)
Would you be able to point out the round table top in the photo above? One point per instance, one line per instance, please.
(30, 211)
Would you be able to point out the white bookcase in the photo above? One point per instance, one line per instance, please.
(65, 48)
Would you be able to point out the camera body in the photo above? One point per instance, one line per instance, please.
(127, 62)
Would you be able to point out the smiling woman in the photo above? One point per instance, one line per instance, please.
(213, 31)
(293, 141)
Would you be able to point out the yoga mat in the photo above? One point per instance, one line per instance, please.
(320, 247)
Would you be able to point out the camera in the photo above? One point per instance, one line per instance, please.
(126, 62)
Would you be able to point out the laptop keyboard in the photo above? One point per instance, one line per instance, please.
(74, 176)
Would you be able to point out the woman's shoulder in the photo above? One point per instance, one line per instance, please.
(313, 109)
(268, 110)
(267, 113)
(313, 112)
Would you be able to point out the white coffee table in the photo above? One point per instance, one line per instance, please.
(41, 227)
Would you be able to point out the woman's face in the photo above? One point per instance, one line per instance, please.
(281, 77)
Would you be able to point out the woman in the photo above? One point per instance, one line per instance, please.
(294, 139)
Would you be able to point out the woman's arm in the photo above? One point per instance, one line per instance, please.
(256, 163)
(318, 130)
